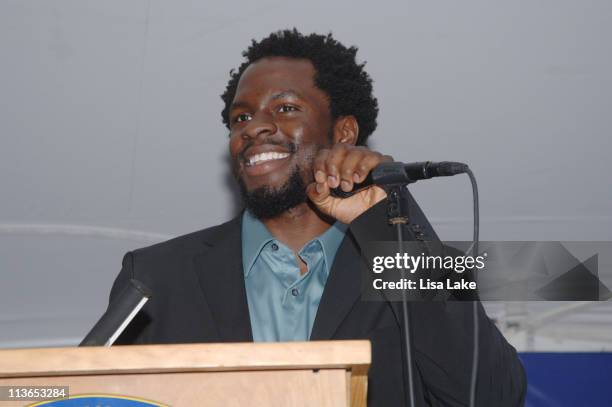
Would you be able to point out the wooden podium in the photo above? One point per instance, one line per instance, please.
(319, 373)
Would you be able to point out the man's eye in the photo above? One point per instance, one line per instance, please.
(287, 109)
(242, 118)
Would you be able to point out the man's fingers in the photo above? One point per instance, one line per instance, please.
(334, 163)
(343, 165)
(349, 168)
(322, 190)
(365, 165)
(319, 194)
(319, 166)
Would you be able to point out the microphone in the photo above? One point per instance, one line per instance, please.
(119, 314)
(397, 173)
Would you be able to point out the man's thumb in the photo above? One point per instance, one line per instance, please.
(320, 196)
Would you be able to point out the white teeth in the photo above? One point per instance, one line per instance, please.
(267, 157)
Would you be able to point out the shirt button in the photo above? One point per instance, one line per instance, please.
(274, 246)
(295, 292)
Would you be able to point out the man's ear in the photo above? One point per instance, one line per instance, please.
(346, 130)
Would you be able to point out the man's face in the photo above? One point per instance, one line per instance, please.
(279, 120)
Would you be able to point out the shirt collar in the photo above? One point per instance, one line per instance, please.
(255, 235)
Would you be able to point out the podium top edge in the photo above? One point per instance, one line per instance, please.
(213, 357)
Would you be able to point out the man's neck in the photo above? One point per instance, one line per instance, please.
(297, 226)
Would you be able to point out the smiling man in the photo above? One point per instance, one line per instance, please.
(299, 112)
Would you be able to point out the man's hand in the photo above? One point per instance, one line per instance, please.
(344, 165)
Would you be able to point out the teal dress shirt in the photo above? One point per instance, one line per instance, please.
(282, 302)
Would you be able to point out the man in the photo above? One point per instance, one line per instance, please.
(299, 111)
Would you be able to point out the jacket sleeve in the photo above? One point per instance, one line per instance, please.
(443, 333)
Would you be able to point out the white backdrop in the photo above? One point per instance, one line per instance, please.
(111, 137)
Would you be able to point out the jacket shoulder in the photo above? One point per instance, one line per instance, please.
(189, 242)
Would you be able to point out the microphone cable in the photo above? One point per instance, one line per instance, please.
(475, 351)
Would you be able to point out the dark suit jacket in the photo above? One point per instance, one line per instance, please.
(199, 296)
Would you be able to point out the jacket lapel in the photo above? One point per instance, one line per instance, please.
(219, 270)
(342, 290)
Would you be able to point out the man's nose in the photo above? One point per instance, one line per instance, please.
(260, 125)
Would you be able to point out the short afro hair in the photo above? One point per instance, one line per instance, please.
(338, 74)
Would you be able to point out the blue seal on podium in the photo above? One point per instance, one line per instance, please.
(98, 400)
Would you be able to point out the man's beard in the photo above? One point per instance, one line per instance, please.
(266, 202)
